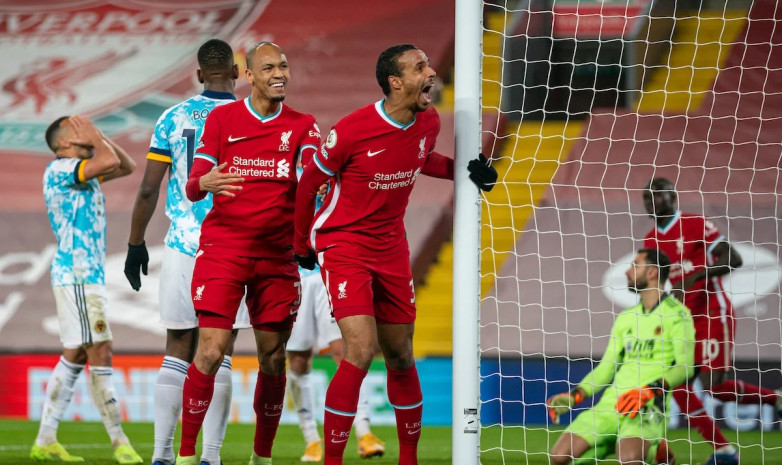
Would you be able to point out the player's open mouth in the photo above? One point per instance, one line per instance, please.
(278, 86)
(425, 93)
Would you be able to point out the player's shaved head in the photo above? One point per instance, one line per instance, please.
(215, 55)
(250, 56)
(53, 133)
(388, 64)
(660, 185)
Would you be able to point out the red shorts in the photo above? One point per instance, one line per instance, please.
(378, 285)
(714, 336)
(219, 283)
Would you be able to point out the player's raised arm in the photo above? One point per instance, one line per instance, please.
(126, 164)
(85, 134)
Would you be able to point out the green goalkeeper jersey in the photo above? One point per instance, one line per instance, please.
(645, 346)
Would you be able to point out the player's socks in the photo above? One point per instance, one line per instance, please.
(105, 397)
(341, 401)
(744, 393)
(217, 416)
(361, 422)
(697, 417)
(404, 394)
(303, 397)
(59, 391)
(268, 404)
(168, 406)
(196, 396)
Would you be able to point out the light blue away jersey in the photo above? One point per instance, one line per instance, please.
(77, 214)
(177, 132)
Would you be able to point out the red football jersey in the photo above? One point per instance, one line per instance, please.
(258, 222)
(375, 162)
(688, 241)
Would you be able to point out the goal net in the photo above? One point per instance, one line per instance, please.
(584, 102)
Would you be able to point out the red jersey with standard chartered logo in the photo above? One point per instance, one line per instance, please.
(375, 162)
(264, 150)
(688, 240)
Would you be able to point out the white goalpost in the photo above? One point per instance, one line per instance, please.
(579, 104)
(467, 213)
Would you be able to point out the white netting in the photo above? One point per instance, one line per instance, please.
(584, 103)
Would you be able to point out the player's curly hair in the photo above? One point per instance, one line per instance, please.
(215, 54)
(388, 65)
(659, 259)
(52, 133)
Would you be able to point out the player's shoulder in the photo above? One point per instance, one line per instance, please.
(62, 164)
(360, 115)
(430, 116)
(670, 305)
(298, 116)
(692, 218)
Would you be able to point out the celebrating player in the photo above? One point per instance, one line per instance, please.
(700, 256)
(316, 329)
(650, 351)
(373, 157)
(77, 213)
(247, 158)
(171, 149)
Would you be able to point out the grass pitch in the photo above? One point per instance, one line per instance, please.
(510, 445)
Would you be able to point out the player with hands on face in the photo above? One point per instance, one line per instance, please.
(85, 158)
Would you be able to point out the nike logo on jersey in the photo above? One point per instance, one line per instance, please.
(234, 139)
(372, 154)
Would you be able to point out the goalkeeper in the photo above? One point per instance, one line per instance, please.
(650, 352)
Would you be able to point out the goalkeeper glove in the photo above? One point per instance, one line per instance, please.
(307, 262)
(482, 173)
(137, 258)
(631, 402)
(562, 403)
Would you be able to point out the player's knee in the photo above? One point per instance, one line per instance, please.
(630, 456)
(208, 358)
(272, 362)
(558, 458)
(99, 354)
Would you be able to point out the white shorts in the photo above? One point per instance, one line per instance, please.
(314, 328)
(176, 301)
(81, 309)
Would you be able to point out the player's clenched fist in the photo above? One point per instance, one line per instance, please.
(631, 402)
(561, 404)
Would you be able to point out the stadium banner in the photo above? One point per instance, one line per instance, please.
(514, 392)
(23, 381)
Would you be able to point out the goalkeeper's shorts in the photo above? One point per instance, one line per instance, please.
(603, 423)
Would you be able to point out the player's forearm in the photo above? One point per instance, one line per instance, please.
(438, 166)
(193, 187)
(126, 164)
(146, 201)
(597, 379)
(309, 184)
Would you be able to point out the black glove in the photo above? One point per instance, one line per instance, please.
(137, 258)
(308, 262)
(482, 173)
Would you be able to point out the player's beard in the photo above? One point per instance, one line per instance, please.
(277, 99)
(638, 286)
